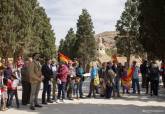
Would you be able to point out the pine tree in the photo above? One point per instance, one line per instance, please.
(68, 44)
(61, 46)
(44, 33)
(85, 45)
(127, 27)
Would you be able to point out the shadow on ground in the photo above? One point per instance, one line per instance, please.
(94, 109)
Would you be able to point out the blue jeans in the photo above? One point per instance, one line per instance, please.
(11, 94)
(117, 86)
(61, 89)
(80, 88)
(135, 84)
(76, 90)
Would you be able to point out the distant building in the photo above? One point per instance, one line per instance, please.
(100, 46)
(105, 41)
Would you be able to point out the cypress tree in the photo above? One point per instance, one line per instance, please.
(85, 45)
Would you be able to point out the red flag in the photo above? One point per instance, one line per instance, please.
(63, 58)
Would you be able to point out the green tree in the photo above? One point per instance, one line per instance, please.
(68, 44)
(127, 27)
(85, 45)
(24, 27)
(44, 34)
(14, 25)
(61, 46)
(152, 27)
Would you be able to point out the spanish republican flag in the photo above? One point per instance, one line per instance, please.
(63, 58)
(126, 81)
(114, 58)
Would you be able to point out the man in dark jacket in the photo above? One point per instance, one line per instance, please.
(143, 70)
(154, 77)
(26, 87)
(48, 74)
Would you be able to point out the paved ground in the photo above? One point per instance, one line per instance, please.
(90, 109)
(127, 104)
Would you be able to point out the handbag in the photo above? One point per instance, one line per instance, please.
(96, 81)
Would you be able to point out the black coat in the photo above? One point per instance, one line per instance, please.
(47, 72)
(154, 74)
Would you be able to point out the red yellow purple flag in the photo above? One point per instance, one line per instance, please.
(63, 58)
(126, 81)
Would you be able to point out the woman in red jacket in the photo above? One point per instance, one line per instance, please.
(61, 81)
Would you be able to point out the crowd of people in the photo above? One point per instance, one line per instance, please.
(65, 80)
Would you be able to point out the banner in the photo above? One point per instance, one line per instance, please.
(126, 81)
(63, 58)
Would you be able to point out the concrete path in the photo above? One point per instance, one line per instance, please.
(127, 104)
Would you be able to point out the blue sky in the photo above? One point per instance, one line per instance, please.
(64, 14)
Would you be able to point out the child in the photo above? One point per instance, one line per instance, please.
(4, 98)
(12, 90)
(3, 93)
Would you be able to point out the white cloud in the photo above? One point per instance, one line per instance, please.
(64, 14)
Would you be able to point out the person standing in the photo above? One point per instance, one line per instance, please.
(26, 87)
(12, 87)
(113, 66)
(93, 76)
(162, 71)
(20, 63)
(35, 74)
(117, 78)
(48, 75)
(61, 81)
(110, 75)
(79, 74)
(143, 70)
(147, 77)
(8, 71)
(102, 75)
(154, 76)
(71, 76)
(135, 78)
(125, 83)
(3, 91)
(54, 81)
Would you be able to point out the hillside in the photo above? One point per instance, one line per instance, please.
(105, 42)
(107, 38)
